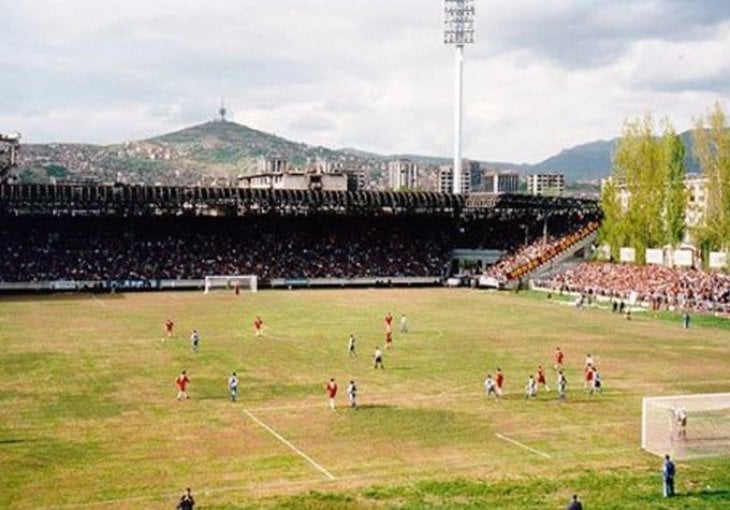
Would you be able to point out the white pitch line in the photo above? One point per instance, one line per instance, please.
(517, 443)
(99, 301)
(287, 443)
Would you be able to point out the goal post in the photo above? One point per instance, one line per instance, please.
(213, 282)
(686, 426)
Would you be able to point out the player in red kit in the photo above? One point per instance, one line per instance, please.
(258, 325)
(169, 325)
(540, 377)
(588, 377)
(332, 392)
(389, 322)
(558, 358)
(388, 339)
(499, 379)
(182, 383)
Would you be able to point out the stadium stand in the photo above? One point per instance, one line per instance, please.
(106, 233)
(656, 287)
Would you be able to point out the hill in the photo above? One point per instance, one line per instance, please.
(217, 152)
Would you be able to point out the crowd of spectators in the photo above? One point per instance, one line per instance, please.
(533, 255)
(41, 248)
(656, 287)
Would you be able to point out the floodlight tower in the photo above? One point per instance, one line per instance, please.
(458, 30)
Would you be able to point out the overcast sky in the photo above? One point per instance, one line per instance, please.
(370, 74)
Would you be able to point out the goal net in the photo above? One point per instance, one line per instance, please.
(244, 282)
(686, 426)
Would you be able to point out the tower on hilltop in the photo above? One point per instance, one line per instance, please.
(222, 111)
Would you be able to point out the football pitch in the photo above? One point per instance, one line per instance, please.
(89, 417)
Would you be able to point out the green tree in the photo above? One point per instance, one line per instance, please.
(612, 228)
(712, 150)
(676, 198)
(641, 164)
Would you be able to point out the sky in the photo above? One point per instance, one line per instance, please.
(368, 74)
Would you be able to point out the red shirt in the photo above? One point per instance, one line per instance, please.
(589, 374)
(169, 325)
(389, 337)
(332, 389)
(541, 376)
(500, 379)
(258, 323)
(559, 357)
(182, 381)
(388, 319)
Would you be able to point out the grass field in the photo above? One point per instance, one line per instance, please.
(89, 417)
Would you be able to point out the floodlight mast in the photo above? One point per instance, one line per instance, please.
(458, 31)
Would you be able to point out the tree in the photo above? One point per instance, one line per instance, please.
(712, 150)
(641, 164)
(612, 228)
(676, 198)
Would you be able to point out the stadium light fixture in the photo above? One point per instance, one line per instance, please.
(458, 31)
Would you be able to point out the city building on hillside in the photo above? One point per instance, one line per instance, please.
(295, 181)
(546, 184)
(446, 179)
(495, 182)
(402, 174)
(272, 165)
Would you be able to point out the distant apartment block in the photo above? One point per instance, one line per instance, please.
(445, 182)
(294, 181)
(272, 165)
(402, 174)
(546, 184)
(495, 182)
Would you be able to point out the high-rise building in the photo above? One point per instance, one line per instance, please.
(546, 184)
(446, 179)
(495, 182)
(403, 174)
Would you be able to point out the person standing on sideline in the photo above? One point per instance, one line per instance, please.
(562, 384)
(574, 504)
(352, 394)
(332, 392)
(668, 471)
(351, 346)
(378, 358)
(187, 502)
(403, 323)
(182, 384)
(685, 319)
(499, 381)
(233, 386)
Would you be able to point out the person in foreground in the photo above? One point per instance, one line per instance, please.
(668, 470)
(574, 504)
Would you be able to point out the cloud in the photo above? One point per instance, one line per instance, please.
(371, 74)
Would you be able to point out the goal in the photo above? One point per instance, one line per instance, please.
(214, 282)
(704, 431)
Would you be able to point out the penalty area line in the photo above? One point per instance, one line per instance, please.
(517, 443)
(287, 443)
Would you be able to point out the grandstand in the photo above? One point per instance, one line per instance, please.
(140, 237)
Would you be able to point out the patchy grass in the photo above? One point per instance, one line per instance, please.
(89, 415)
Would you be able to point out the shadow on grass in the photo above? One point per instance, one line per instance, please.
(706, 494)
(11, 441)
(373, 406)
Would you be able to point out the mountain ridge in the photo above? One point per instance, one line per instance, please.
(217, 152)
